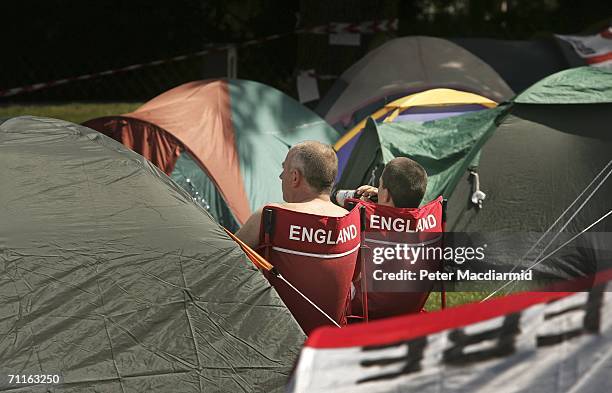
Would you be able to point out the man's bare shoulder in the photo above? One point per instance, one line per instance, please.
(319, 208)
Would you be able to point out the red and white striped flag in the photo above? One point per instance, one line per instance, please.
(596, 50)
(547, 342)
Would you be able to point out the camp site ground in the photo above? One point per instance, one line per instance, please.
(136, 140)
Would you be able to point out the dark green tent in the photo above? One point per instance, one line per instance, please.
(548, 150)
(440, 146)
(114, 278)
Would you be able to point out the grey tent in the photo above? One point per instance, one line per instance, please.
(544, 161)
(404, 66)
(113, 278)
(523, 63)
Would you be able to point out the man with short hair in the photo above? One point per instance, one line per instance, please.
(402, 184)
(308, 174)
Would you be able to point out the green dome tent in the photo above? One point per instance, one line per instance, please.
(544, 161)
(223, 140)
(113, 278)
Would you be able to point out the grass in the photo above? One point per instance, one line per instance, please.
(453, 299)
(75, 112)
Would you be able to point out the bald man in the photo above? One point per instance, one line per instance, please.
(308, 174)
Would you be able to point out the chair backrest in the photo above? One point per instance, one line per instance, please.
(317, 255)
(390, 228)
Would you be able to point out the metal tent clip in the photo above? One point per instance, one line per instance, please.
(477, 195)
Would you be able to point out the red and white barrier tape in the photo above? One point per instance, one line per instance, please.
(41, 86)
(369, 27)
(364, 28)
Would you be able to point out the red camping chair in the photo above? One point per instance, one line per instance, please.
(315, 254)
(387, 227)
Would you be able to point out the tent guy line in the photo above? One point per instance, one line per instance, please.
(261, 263)
(280, 277)
(565, 211)
(550, 254)
(524, 257)
(576, 212)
